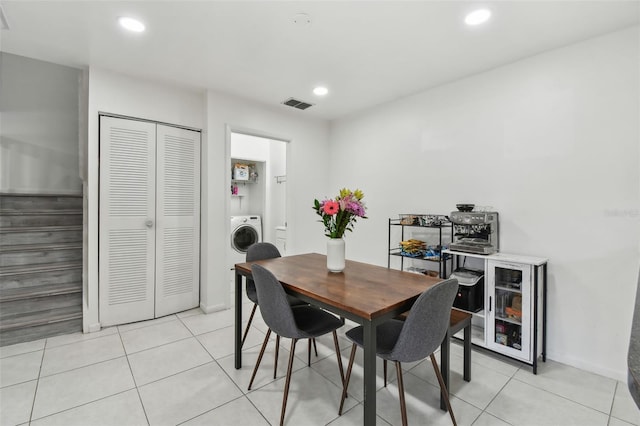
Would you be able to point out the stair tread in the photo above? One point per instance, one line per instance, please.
(36, 291)
(52, 228)
(43, 246)
(39, 195)
(45, 212)
(41, 267)
(40, 318)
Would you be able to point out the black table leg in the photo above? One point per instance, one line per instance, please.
(445, 354)
(238, 322)
(369, 373)
(467, 353)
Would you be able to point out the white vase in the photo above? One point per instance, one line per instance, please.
(335, 254)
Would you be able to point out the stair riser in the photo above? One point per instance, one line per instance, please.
(29, 334)
(38, 257)
(40, 278)
(7, 221)
(28, 274)
(13, 202)
(40, 237)
(9, 310)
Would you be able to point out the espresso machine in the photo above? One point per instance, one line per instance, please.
(474, 232)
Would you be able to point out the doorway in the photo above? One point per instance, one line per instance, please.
(263, 192)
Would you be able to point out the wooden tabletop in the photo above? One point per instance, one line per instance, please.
(367, 291)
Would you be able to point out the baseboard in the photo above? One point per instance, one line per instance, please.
(213, 308)
(92, 328)
(614, 374)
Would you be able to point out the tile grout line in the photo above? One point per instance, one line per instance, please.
(35, 393)
(73, 369)
(484, 410)
(243, 395)
(133, 377)
(565, 397)
(613, 400)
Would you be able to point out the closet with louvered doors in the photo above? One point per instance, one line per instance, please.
(149, 243)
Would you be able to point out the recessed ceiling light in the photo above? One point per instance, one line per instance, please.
(131, 24)
(320, 91)
(477, 17)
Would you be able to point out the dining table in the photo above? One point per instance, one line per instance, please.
(363, 293)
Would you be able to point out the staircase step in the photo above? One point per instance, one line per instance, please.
(22, 219)
(41, 249)
(40, 235)
(62, 325)
(36, 254)
(32, 319)
(24, 202)
(73, 245)
(58, 212)
(35, 275)
(45, 307)
(38, 291)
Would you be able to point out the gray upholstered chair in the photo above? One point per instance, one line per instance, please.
(297, 322)
(412, 340)
(260, 251)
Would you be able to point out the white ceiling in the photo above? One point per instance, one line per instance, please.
(365, 52)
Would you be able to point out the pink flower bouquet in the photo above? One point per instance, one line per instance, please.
(340, 214)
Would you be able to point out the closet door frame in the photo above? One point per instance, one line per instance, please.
(117, 309)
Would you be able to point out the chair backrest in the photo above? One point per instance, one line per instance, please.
(273, 302)
(259, 251)
(426, 324)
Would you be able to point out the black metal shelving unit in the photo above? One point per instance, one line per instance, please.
(441, 223)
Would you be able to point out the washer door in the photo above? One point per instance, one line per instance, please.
(243, 237)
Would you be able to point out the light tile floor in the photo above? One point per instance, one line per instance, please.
(179, 370)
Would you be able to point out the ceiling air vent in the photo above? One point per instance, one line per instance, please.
(295, 103)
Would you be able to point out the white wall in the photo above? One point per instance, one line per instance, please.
(119, 94)
(307, 160)
(551, 142)
(39, 126)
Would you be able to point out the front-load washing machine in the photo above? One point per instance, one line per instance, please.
(245, 231)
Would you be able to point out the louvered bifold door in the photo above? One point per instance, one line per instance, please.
(178, 215)
(127, 220)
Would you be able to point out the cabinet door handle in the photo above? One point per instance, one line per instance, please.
(489, 303)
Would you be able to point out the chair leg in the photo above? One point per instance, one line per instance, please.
(384, 367)
(315, 348)
(255, 370)
(288, 380)
(246, 331)
(275, 363)
(309, 354)
(346, 379)
(443, 388)
(337, 345)
(403, 406)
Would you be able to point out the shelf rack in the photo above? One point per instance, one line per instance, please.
(438, 222)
